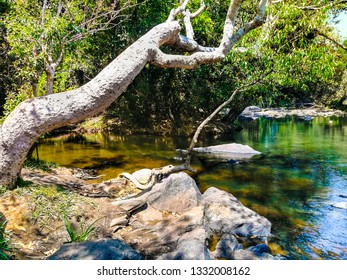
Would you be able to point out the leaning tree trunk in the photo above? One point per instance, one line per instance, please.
(37, 116)
(40, 115)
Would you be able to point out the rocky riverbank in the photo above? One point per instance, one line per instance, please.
(215, 127)
(307, 114)
(171, 220)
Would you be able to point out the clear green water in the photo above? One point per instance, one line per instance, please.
(302, 171)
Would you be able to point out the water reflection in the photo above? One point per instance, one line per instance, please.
(294, 183)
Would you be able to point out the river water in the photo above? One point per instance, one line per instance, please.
(295, 182)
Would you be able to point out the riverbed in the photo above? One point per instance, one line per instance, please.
(299, 182)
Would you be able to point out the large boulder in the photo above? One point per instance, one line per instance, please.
(96, 250)
(177, 193)
(154, 232)
(223, 213)
(175, 221)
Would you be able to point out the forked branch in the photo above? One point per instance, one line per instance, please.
(201, 54)
(187, 19)
(175, 12)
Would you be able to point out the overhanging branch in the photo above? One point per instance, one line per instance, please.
(206, 55)
(332, 40)
(214, 113)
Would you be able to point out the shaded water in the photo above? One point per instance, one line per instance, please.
(301, 173)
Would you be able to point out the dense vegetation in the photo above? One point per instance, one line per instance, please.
(292, 49)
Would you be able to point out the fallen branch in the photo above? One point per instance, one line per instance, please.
(213, 114)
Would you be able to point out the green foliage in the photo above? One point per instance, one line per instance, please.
(80, 234)
(49, 204)
(12, 100)
(6, 71)
(40, 36)
(2, 190)
(20, 183)
(5, 247)
(34, 163)
(304, 65)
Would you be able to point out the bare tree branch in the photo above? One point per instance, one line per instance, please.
(188, 24)
(200, 10)
(190, 45)
(214, 113)
(60, 8)
(233, 10)
(187, 19)
(175, 12)
(332, 40)
(229, 40)
(44, 7)
(164, 60)
(207, 55)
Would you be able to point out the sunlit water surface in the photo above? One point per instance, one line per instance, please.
(300, 175)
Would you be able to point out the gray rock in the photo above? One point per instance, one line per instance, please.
(177, 193)
(252, 109)
(191, 246)
(178, 220)
(225, 214)
(250, 113)
(131, 204)
(247, 118)
(227, 151)
(226, 247)
(96, 250)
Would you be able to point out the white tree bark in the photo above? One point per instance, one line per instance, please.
(37, 116)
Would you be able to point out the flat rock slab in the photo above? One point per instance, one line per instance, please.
(228, 151)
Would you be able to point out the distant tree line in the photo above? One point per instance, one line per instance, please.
(53, 46)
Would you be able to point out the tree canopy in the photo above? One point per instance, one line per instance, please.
(294, 46)
(52, 42)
